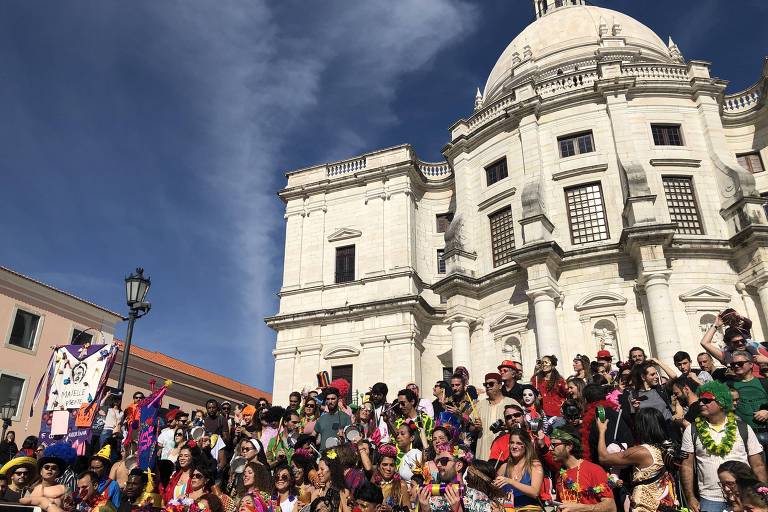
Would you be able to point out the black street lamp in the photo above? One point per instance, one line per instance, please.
(6, 414)
(136, 288)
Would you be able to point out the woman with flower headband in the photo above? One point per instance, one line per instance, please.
(201, 480)
(754, 498)
(522, 475)
(189, 454)
(653, 486)
(386, 477)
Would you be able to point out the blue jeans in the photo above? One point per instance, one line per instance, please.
(105, 434)
(712, 506)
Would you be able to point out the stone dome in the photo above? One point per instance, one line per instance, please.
(573, 33)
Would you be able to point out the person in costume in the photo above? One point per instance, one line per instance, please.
(257, 480)
(49, 491)
(393, 488)
(88, 498)
(550, 385)
(653, 487)
(201, 480)
(21, 472)
(189, 454)
(330, 478)
(134, 487)
(714, 437)
(453, 462)
(284, 497)
(304, 471)
(443, 434)
(252, 451)
(409, 448)
(581, 485)
(100, 464)
(522, 475)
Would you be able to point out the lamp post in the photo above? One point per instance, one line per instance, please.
(6, 413)
(136, 288)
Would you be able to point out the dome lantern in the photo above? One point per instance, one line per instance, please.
(542, 7)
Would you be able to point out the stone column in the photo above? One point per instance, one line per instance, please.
(283, 383)
(547, 335)
(666, 339)
(460, 347)
(762, 292)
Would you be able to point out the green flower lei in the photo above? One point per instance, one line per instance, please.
(725, 446)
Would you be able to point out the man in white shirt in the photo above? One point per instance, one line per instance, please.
(165, 440)
(423, 405)
(705, 437)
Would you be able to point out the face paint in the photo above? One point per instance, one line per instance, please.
(528, 397)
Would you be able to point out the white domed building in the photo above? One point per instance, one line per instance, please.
(604, 194)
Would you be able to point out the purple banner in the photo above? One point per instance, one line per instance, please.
(148, 434)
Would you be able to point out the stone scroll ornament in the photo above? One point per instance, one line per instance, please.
(148, 428)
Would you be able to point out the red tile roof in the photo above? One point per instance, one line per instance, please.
(196, 371)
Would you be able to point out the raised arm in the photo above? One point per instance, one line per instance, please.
(706, 340)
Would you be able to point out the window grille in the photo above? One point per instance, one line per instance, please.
(502, 236)
(681, 202)
(586, 213)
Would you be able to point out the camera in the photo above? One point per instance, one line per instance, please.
(497, 426)
(571, 411)
(536, 424)
(673, 455)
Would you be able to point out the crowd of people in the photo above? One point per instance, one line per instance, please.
(636, 435)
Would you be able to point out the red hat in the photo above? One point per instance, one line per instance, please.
(509, 364)
(171, 415)
(604, 354)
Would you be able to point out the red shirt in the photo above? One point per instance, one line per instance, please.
(551, 401)
(588, 476)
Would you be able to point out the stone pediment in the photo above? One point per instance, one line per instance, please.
(508, 320)
(705, 294)
(597, 300)
(339, 352)
(344, 234)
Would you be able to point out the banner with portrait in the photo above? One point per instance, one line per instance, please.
(76, 380)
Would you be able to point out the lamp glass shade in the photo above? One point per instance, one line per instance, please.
(136, 287)
(7, 410)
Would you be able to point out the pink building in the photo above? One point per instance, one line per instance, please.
(35, 317)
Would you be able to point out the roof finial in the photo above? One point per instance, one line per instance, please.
(674, 52)
(478, 99)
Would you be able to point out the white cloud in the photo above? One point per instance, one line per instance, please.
(264, 72)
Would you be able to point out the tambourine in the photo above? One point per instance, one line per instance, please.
(332, 442)
(353, 433)
(196, 433)
(237, 464)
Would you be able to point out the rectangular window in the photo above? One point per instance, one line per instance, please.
(24, 329)
(496, 172)
(681, 202)
(666, 134)
(586, 213)
(10, 391)
(442, 221)
(502, 236)
(343, 371)
(443, 299)
(751, 162)
(576, 144)
(80, 337)
(441, 261)
(345, 264)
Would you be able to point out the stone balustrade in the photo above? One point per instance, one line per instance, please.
(492, 111)
(345, 167)
(434, 169)
(742, 101)
(566, 83)
(656, 71)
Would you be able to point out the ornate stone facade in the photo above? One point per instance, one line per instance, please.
(645, 270)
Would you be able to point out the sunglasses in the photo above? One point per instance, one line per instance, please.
(50, 467)
(309, 406)
(197, 476)
(443, 461)
(179, 434)
(555, 444)
(513, 415)
(283, 477)
(138, 397)
(706, 401)
(489, 384)
(402, 404)
(738, 364)
(21, 473)
(246, 448)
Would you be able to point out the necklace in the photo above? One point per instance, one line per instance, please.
(575, 487)
(724, 447)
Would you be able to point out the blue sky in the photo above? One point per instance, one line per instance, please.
(156, 133)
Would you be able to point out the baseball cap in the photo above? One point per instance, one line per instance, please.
(604, 354)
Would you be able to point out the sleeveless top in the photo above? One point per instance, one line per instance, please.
(660, 493)
(515, 497)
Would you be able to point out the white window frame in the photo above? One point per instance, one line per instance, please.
(40, 324)
(82, 329)
(22, 395)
